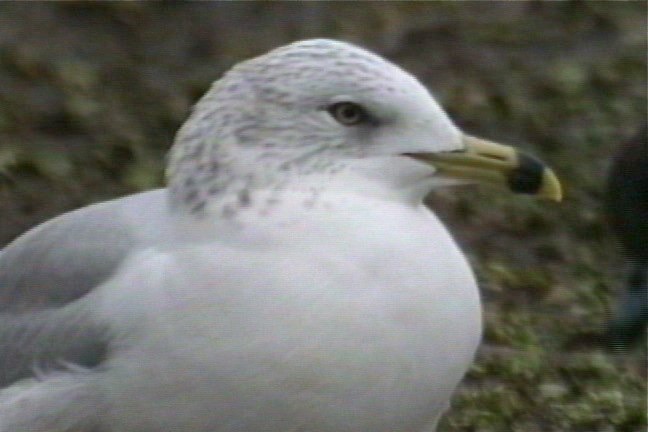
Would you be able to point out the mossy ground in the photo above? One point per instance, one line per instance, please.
(91, 94)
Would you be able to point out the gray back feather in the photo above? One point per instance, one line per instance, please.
(45, 274)
(63, 259)
(48, 340)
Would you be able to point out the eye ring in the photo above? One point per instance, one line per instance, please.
(347, 113)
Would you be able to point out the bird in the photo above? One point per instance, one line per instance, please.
(288, 277)
(627, 211)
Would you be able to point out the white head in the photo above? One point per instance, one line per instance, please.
(311, 110)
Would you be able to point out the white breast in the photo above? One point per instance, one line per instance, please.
(358, 319)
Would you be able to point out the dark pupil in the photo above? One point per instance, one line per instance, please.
(348, 113)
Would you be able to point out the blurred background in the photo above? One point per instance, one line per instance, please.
(91, 95)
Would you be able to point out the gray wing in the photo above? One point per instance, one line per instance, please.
(45, 273)
(65, 257)
(49, 339)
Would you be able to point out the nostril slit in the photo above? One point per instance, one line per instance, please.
(498, 157)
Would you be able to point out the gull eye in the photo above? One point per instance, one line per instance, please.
(347, 113)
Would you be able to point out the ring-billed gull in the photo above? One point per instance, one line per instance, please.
(288, 279)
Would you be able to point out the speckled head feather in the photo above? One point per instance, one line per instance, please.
(266, 123)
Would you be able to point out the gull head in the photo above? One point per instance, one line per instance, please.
(318, 113)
